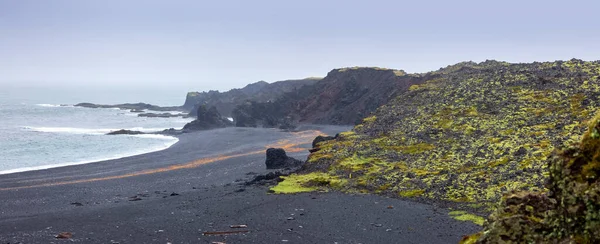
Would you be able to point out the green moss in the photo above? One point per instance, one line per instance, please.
(416, 148)
(297, 183)
(464, 216)
(411, 193)
(370, 119)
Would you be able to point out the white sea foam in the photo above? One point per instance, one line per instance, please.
(54, 105)
(172, 141)
(71, 130)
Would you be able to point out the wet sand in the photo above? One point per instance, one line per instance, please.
(193, 187)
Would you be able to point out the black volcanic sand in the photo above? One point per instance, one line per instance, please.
(160, 197)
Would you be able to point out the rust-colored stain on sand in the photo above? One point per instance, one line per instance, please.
(288, 145)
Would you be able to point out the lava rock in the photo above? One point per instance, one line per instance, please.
(278, 159)
(207, 118)
(125, 132)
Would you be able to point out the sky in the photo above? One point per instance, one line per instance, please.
(199, 45)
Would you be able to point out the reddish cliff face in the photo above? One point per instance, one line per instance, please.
(345, 96)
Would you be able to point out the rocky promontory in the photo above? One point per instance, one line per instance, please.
(125, 132)
(133, 107)
(207, 118)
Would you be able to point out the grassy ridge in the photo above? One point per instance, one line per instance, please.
(468, 134)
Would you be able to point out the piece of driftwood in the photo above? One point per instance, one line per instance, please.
(214, 233)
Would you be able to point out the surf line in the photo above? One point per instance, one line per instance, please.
(285, 144)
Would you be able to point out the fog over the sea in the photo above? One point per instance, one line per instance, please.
(201, 45)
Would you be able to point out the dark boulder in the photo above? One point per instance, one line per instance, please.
(125, 132)
(207, 118)
(277, 159)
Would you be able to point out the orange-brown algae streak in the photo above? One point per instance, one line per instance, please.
(285, 144)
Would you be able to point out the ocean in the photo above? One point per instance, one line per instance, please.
(40, 128)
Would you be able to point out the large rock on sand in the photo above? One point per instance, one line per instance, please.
(277, 159)
(207, 118)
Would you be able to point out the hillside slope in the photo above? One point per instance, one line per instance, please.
(467, 134)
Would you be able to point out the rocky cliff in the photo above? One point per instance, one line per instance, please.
(343, 97)
(260, 91)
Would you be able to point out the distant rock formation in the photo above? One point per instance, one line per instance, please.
(278, 159)
(260, 91)
(161, 115)
(125, 132)
(133, 107)
(207, 118)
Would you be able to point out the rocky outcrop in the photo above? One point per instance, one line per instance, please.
(207, 118)
(134, 107)
(278, 159)
(320, 138)
(161, 115)
(125, 132)
(256, 114)
(261, 91)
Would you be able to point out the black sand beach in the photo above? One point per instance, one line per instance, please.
(175, 195)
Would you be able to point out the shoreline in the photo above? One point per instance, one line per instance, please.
(196, 186)
(90, 161)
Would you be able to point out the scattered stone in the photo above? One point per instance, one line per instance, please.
(174, 194)
(135, 198)
(240, 190)
(64, 235)
(290, 218)
(78, 204)
(238, 226)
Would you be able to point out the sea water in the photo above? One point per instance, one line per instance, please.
(42, 129)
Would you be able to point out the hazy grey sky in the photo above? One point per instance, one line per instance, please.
(200, 45)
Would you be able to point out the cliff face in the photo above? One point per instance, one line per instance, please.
(343, 97)
(260, 91)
